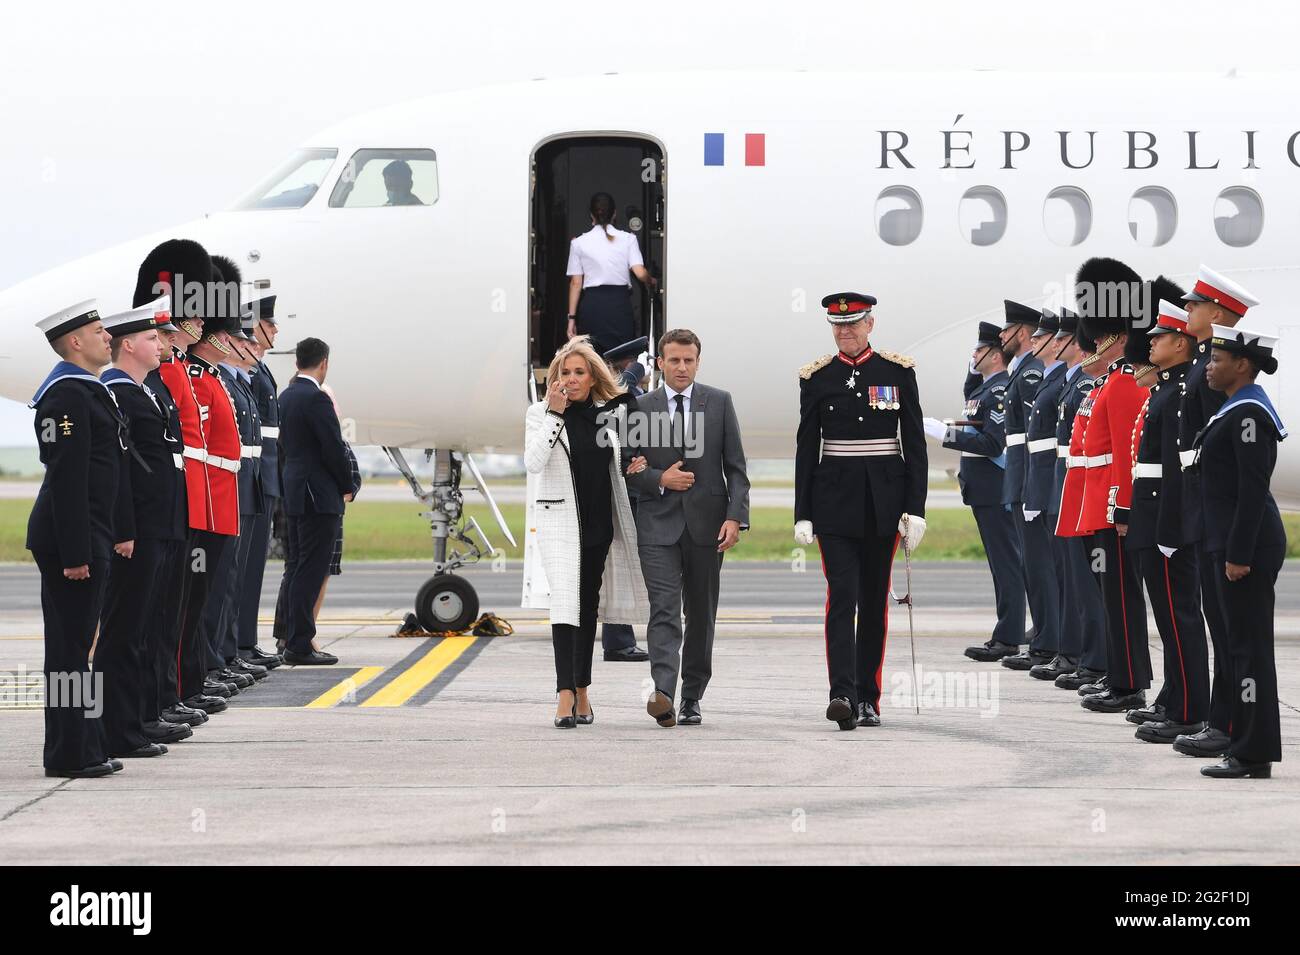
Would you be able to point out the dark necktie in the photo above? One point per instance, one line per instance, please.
(680, 431)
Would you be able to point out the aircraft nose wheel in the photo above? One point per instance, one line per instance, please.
(446, 602)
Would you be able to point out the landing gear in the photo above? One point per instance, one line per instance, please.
(447, 602)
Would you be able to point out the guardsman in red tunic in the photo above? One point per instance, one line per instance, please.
(1109, 295)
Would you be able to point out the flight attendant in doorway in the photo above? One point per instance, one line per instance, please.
(600, 291)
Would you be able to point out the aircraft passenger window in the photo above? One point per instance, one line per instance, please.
(982, 215)
(387, 177)
(898, 215)
(1238, 216)
(1152, 216)
(1067, 215)
(294, 183)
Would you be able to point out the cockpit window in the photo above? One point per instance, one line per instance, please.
(294, 183)
(387, 177)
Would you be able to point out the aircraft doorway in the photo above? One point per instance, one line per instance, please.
(565, 173)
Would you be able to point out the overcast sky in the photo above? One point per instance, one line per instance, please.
(94, 97)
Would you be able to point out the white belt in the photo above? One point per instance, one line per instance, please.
(1062, 450)
(250, 451)
(1187, 458)
(226, 464)
(1075, 461)
(859, 447)
(1042, 444)
(1148, 470)
(1015, 439)
(270, 432)
(179, 461)
(1099, 461)
(972, 454)
(195, 454)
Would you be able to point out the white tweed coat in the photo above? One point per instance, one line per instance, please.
(553, 528)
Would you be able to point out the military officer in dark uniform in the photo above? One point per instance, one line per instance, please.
(267, 397)
(1082, 623)
(81, 436)
(142, 520)
(1154, 536)
(1214, 300)
(1244, 534)
(980, 439)
(860, 487)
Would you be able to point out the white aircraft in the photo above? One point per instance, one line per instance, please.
(752, 194)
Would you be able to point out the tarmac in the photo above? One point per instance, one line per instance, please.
(441, 750)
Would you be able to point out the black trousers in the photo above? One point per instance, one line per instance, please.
(1173, 584)
(74, 731)
(605, 313)
(1065, 560)
(1128, 658)
(857, 571)
(217, 609)
(1256, 729)
(1002, 550)
(1041, 583)
(1222, 689)
(203, 552)
(123, 653)
(250, 588)
(574, 645)
(165, 621)
(311, 544)
(1086, 602)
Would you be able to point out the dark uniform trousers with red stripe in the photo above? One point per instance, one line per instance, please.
(1173, 584)
(857, 573)
(1128, 659)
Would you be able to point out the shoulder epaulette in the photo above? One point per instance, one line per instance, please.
(907, 361)
(1086, 385)
(196, 371)
(807, 370)
(998, 391)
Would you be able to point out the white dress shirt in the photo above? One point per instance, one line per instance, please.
(309, 378)
(686, 408)
(602, 262)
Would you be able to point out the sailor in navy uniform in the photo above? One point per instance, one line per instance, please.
(1026, 375)
(267, 399)
(1214, 300)
(1083, 624)
(981, 440)
(1042, 573)
(1155, 536)
(126, 652)
(1237, 451)
(860, 487)
(81, 436)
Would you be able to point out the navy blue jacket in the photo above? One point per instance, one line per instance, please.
(268, 410)
(1021, 391)
(1073, 391)
(317, 472)
(1040, 444)
(979, 475)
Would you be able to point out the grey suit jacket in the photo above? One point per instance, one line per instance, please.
(721, 488)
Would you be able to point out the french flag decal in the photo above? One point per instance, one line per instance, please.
(715, 149)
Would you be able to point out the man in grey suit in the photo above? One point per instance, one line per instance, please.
(693, 501)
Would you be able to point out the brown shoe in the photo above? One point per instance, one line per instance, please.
(661, 708)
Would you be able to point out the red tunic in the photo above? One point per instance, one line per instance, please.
(1124, 496)
(1106, 446)
(174, 372)
(1067, 521)
(221, 438)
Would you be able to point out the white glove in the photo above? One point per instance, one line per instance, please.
(803, 533)
(1167, 551)
(643, 360)
(913, 529)
(970, 367)
(934, 428)
(1029, 515)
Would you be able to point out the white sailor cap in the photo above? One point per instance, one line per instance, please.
(1212, 287)
(1171, 318)
(1243, 341)
(162, 313)
(135, 320)
(69, 319)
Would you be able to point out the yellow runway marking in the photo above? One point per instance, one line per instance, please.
(345, 688)
(421, 673)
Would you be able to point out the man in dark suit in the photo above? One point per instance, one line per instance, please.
(317, 480)
(693, 502)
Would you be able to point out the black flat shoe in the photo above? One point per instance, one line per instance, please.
(840, 712)
(689, 714)
(206, 704)
(1114, 701)
(1155, 713)
(86, 772)
(180, 713)
(1101, 686)
(1027, 659)
(261, 658)
(314, 659)
(626, 655)
(167, 732)
(992, 651)
(1057, 666)
(1233, 768)
(1208, 743)
(1082, 676)
(867, 715)
(660, 707)
(1166, 732)
(144, 752)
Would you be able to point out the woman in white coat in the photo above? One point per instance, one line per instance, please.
(586, 535)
